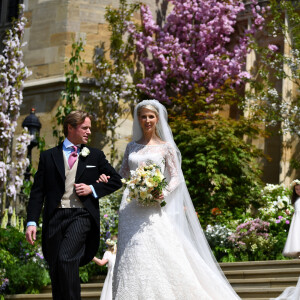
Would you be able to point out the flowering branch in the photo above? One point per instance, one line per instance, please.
(70, 96)
(279, 110)
(13, 72)
(193, 47)
(115, 94)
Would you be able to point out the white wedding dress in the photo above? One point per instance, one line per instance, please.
(155, 262)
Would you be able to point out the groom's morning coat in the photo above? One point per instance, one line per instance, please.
(49, 187)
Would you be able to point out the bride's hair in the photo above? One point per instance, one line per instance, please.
(152, 108)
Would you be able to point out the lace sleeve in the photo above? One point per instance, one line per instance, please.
(124, 170)
(172, 169)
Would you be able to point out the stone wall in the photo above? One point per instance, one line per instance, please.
(52, 27)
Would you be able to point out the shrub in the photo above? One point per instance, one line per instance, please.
(4, 281)
(252, 240)
(220, 169)
(22, 266)
(217, 236)
(28, 278)
(278, 212)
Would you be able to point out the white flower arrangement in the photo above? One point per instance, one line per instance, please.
(295, 182)
(144, 181)
(13, 73)
(84, 152)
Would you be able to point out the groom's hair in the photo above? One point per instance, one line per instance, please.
(74, 119)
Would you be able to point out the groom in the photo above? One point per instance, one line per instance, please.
(65, 184)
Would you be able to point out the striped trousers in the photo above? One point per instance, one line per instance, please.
(67, 233)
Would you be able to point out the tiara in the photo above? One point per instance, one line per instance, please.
(295, 182)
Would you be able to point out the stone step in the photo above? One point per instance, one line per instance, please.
(264, 282)
(256, 298)
(263, 273)
(97, 279)
(255, 265)
(245, 294)
(48, 296)
(90, 287)
(259, 280)
(254, 293)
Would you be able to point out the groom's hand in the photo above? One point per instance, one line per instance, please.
(103, 178)
(82, 189)
(31, 234)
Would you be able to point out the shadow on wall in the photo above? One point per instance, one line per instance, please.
(271, 166)
(294, 170)
(161, 12)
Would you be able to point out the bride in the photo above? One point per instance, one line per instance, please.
(162, 252)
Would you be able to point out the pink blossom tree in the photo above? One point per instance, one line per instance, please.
(13, 72)
(196, 45)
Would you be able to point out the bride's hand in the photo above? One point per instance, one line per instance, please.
(158, 196)
(103, 178)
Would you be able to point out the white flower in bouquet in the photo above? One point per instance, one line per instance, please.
(143, 193)
(145, 181)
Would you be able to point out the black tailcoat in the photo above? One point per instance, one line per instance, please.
(49, 187)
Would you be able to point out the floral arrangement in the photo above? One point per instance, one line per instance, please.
(146, 181)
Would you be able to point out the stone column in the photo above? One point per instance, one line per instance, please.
(287, 88)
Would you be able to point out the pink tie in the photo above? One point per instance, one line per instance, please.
(72, 157)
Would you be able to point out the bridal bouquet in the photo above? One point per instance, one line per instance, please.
(145, 181)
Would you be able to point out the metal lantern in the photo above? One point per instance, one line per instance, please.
(34, 125)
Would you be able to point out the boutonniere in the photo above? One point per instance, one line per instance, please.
(84, 152)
